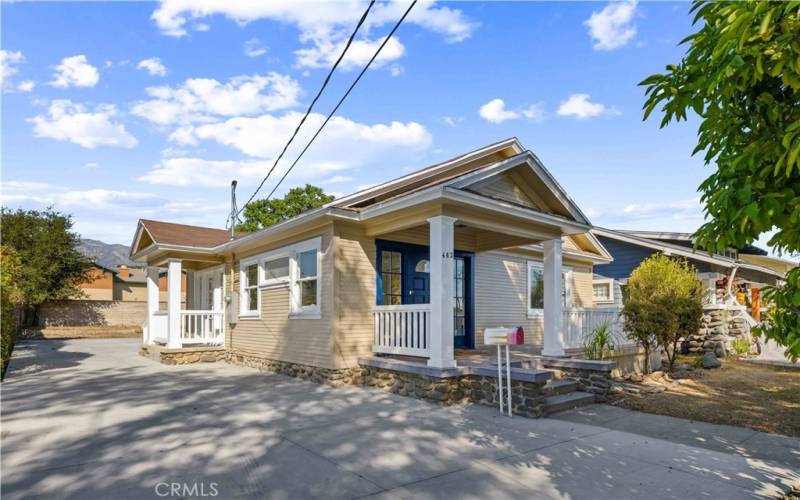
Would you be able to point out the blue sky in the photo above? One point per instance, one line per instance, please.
(115, 111)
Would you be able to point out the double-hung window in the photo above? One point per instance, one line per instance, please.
(603, 291)
(249, 279)
(306, 282)
(536, 288)
(276, 270)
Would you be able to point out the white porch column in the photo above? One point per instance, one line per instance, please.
(441, 285)
(152, 304)
(174, 303)
(553, 317)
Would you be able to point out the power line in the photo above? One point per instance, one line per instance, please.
(311, 106)
(330, 115)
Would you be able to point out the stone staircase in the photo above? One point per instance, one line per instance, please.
(564, 394)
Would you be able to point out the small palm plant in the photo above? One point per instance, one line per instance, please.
(599, 343)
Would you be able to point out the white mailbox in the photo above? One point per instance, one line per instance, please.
(496, 336)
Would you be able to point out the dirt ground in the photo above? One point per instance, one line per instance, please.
(760, 397)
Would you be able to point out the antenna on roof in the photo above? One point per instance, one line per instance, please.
(233, 218)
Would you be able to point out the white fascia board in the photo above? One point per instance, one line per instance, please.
(665, 248)
(429, 171)
(566, 226)
(595, 259)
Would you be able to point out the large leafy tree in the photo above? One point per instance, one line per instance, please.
(741, 75)
(264, 213)
(9, 296)
(51, 267)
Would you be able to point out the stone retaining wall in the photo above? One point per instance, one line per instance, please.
(527, 398)
(718, 329)
(184, 356)
(346, 376)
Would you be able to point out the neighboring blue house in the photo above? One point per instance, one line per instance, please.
(630, 248)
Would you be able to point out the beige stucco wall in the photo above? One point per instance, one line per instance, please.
(276, 335)
(96, 294)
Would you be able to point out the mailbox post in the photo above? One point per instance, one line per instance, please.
(503, 337)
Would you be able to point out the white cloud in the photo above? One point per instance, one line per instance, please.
(91, 165)
(580, 106)
(495, 111)
(325, 52)
(8, 65)
(396, 70)
(675, 209)
(66, 121)
(26, 86)
(337, 179)
(452, 121)
(153, 66)
(200, 99)
(344, 145)
(75, 71)
(254, 48)
(534, 112)
(611, 28)
(324, 26)
(40, 193)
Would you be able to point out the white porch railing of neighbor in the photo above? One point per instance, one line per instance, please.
(202, 327)
(402, 329)
(579, 323)
(157, 326)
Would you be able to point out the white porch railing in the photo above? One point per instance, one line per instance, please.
(402, 329)
(579, 323)
(202, 327)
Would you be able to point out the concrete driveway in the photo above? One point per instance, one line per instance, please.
(92, 419)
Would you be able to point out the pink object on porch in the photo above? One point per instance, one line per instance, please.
(516, 336)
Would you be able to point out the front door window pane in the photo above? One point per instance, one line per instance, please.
(391, 278)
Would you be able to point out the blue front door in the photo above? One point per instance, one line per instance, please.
(404, 278)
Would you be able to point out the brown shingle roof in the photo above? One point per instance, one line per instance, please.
(183, 234)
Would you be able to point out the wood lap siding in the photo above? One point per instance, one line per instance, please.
(277, 336)
(502, 187)
(354, 285)
(501, 294)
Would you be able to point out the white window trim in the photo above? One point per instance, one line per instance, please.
(281, 253)
(610, 283)
(293, 282)
(565, 270)
(243, 265)
(296, 310)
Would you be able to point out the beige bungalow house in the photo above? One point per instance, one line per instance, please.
(417, 266)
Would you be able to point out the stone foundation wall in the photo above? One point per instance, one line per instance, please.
(527, 398)
(346, 376)
(185, 356)
(718, 329)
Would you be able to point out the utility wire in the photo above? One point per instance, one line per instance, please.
(311, 106)
(330, 115)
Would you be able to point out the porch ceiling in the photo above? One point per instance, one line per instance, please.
(467, 238)
(493, 228)
(191, 261)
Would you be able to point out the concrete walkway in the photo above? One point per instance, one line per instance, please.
(92, 419)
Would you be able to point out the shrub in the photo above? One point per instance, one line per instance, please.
(9, 295)
(599, 342)
(664, 304)
(741, 346)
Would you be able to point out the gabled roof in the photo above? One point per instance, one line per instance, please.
(687, 237)
(453, 181)
(168, 233)
(682, 251)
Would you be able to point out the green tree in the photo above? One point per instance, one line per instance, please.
(741, 75)
(264, 213)
(9, 296)
(664, 304)
(51, 266)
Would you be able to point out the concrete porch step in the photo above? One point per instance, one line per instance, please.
(555, 387)
(561, 402)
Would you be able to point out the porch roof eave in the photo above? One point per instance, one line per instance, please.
(158, 254)
(559, 224)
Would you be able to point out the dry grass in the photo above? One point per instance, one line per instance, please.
(761, 397)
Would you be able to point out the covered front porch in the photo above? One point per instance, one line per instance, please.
(432, 282)
(197, 321)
